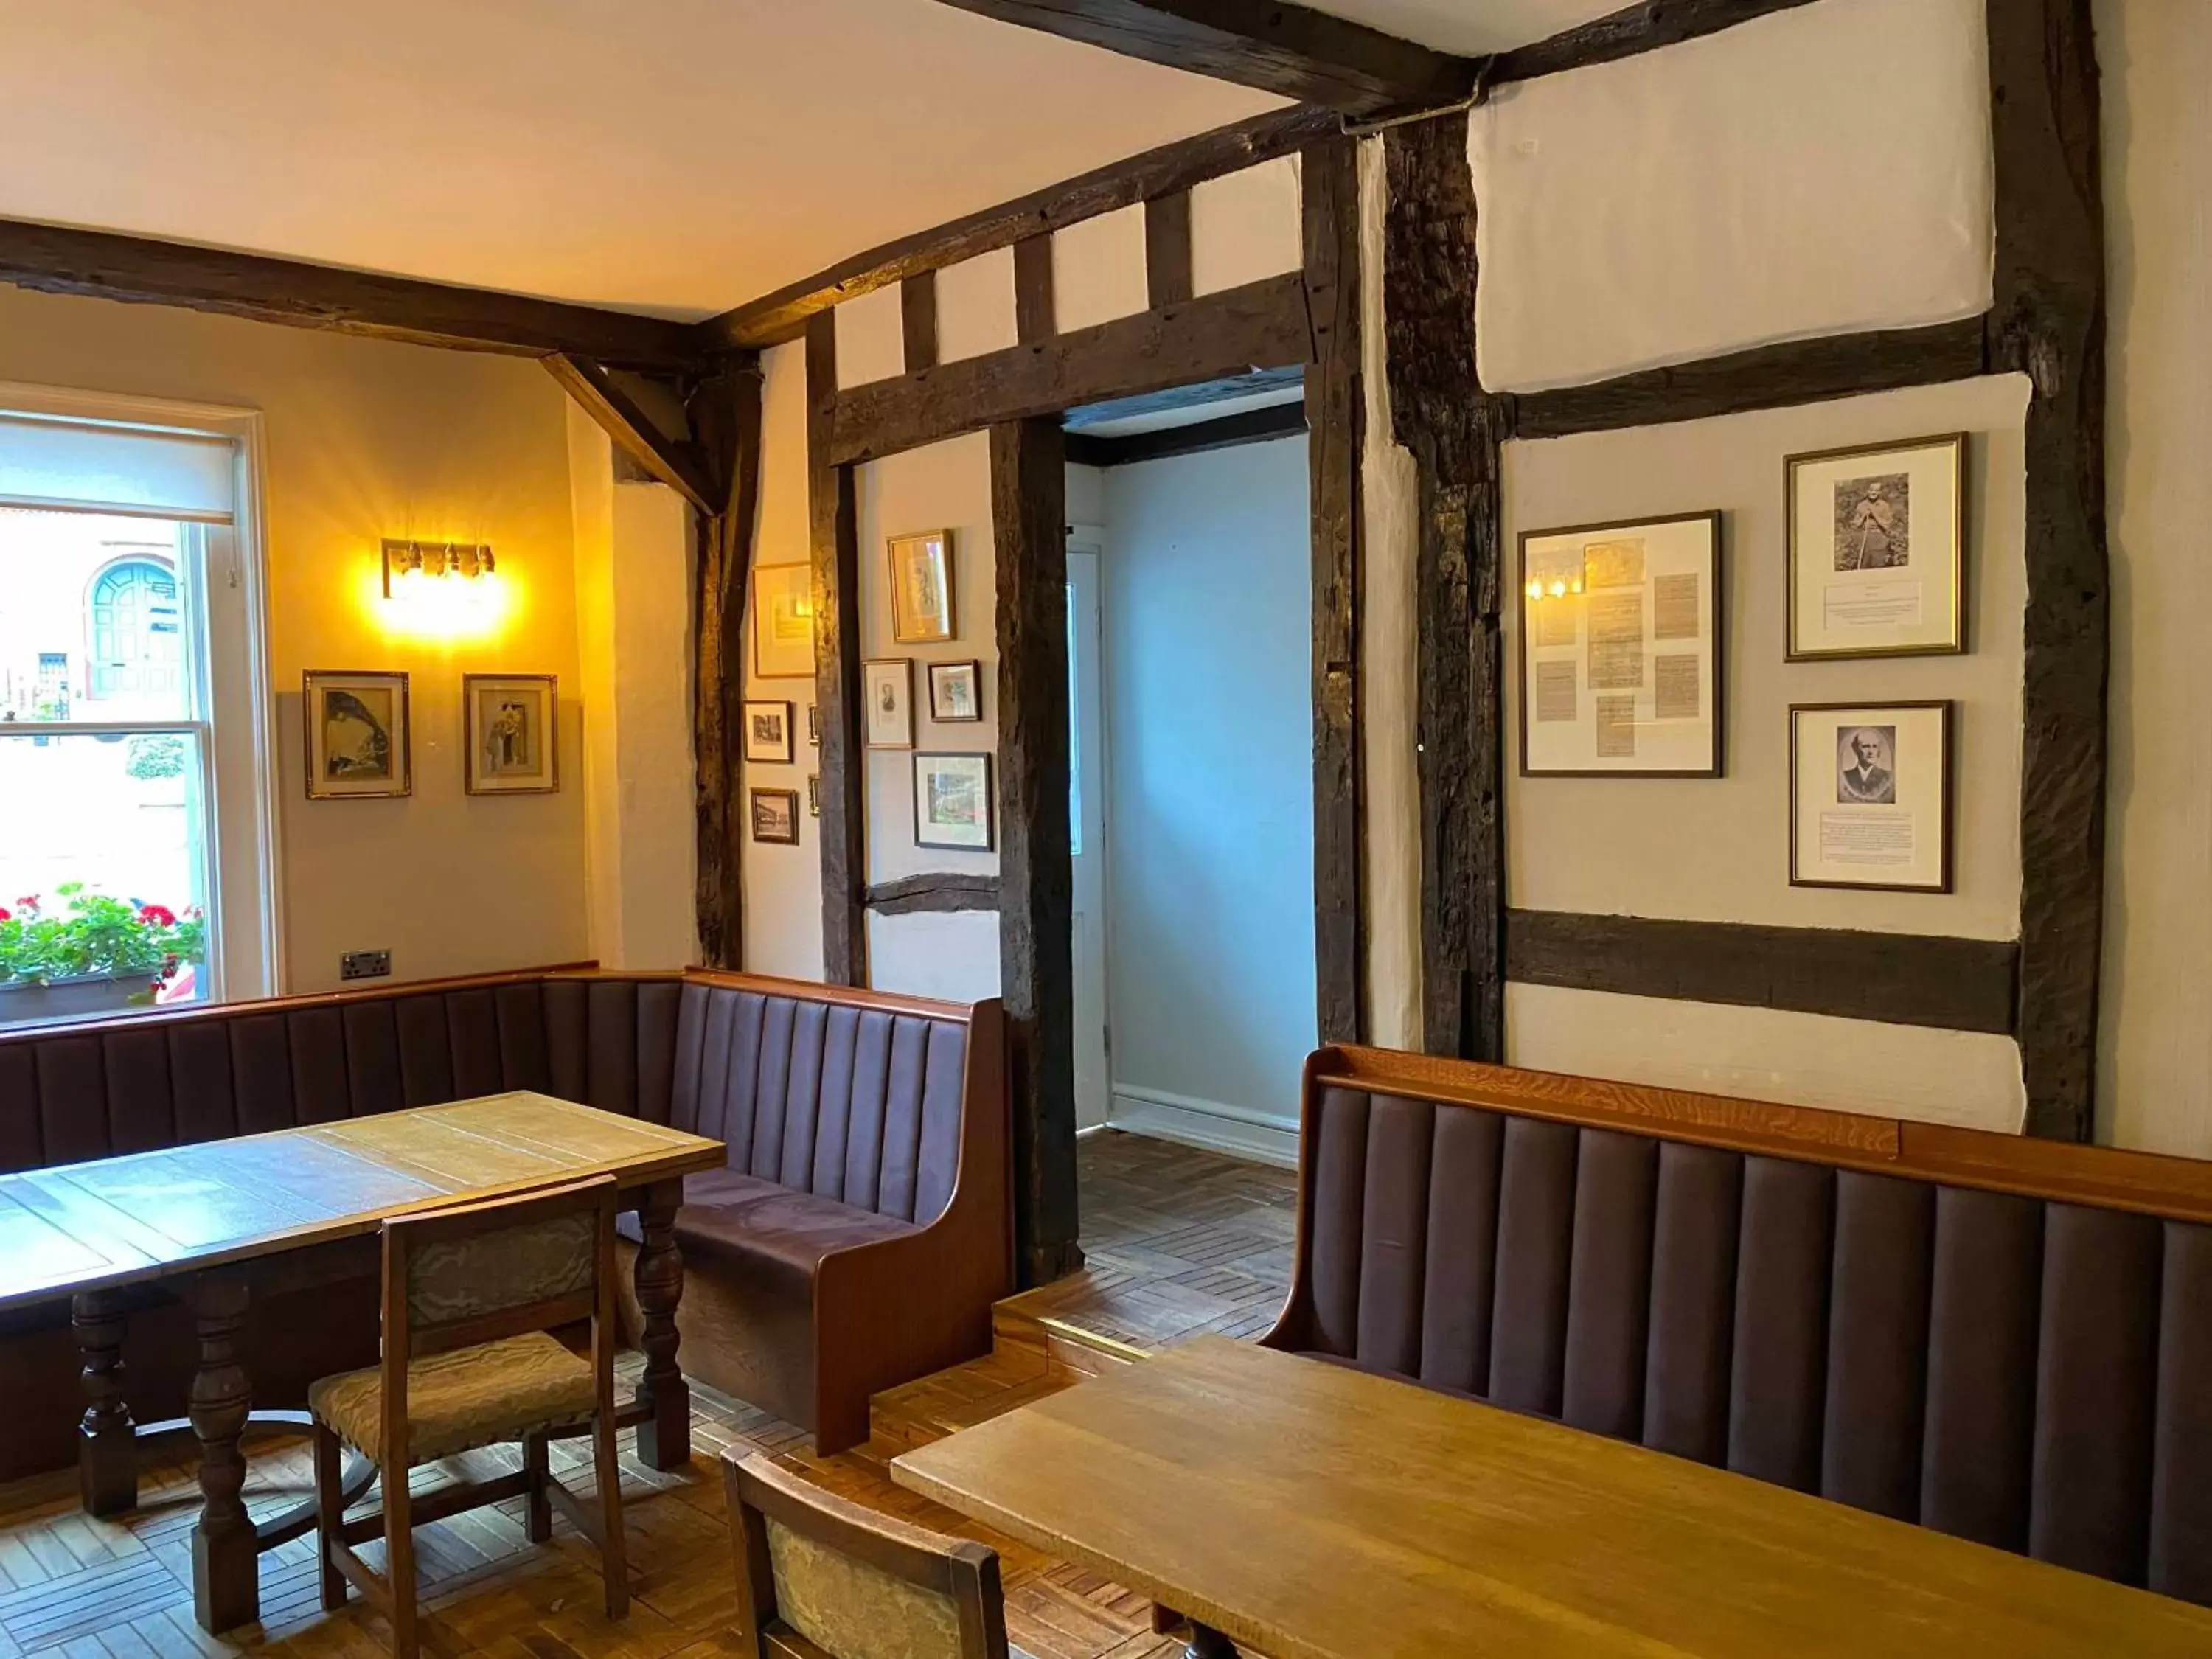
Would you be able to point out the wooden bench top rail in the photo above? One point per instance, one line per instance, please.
(807, 990)
(2108, 1178)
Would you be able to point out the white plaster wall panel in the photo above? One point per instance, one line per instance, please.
(1086, 496)
(651, 621)
(1965, 1078)
(2155, 1082)
(592, 510)
(953, 955)
(975, 307)
(1389, 493)
(1717, 849)
(871, 337)
(783, 885)
(1819, 171)
(1458, 26)
(1099, 270)
(1246, 225)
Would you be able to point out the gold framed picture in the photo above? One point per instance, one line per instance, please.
(783, 621)
(921, 586)
(1877, 551)
(775, 816)
(358, 741)
(1870, 796)
(512, 741)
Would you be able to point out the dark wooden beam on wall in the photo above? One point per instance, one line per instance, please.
(2048, 322)
(936, 890)
(1036, 874)
(104, 265)
(1333, 415)
(1900, 979)
(674, 461)
(1455, 432)
(835, 544)
(1253, 426)
(1260, 325)
(1624, 34)
(1169, 276)
(781, 317)
(1036, 304)
(918, 320)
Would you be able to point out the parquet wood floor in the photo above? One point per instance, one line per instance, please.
(1180, 1241)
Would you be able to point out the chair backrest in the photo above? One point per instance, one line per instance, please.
(821, 1577)
(2004, 1339)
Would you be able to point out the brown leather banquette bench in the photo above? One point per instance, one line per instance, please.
(862, 1228)
(2002, 1339)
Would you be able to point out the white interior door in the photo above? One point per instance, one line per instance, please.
(1086, 815)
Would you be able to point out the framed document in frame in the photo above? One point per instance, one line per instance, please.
(1622, 650)
(1878, 550)
(1870, 796)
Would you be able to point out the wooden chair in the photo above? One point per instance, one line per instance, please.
(820, 1577)
(470, 1295)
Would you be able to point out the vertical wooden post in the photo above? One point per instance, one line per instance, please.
(1036, 315)
(835, 519)
(1335, 420)
(1037, 876)
(663, 1439)
(226, 1556)
(1168, 277)
(107, 1444)
(918, 320)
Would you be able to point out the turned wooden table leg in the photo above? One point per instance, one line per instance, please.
(226, 1555)
(107, 1441)
(664, 1438)
(1207, 1643)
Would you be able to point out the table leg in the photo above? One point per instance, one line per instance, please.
(1207, 1643)
(107, 1443)
(664, 1438)
(226, 1555)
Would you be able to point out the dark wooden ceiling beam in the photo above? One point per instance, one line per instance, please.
(1267, 45)
(107, 265)
(674, 461)
(1624, 34)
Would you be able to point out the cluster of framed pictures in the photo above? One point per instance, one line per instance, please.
(360, 736)
(1623, 654)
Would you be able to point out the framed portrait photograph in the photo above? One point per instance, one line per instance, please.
(814, 724)
(956, 691)
(1878, 550)
(1622, 653)
(953, 802)
(768, 733)
(813, 794)
(887, 687)
(921, 586)
(775, 816)
(1870, 796)
(783, 621)
(510, 736)
(358, 741)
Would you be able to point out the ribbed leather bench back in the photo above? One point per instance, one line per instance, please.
(857, 1104)
(2031, 1374)
(206, 1074)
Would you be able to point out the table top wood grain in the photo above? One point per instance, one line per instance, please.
(1314, 1512)
(120, 1221)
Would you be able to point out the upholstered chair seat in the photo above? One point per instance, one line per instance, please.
(481, 1396)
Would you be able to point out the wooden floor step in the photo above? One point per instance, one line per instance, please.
(917, 1413)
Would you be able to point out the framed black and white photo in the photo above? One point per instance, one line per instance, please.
(510, 736)
(1878, 550)
(359, 745)
(814, 724)
(783, 621)
(953, 802)
(775, 816)
(956, 691)
(1870, 801)
(887, 688)
(768, 733)
(921, 586)
(1621, 650)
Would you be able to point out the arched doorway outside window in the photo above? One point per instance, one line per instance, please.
(137, 647)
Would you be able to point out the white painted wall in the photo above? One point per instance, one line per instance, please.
(1210, 793)
(1246, 225)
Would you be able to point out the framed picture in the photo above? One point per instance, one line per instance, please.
(768, 733)
(358, 741)
(921, 586)
(510, 732)
(783, 621)
(814, 724)
(1622, 657)
(887, 683)
(813, 795)
(956, 691)
(775, 816)
(1878, 550)
(1870, 796)
(953, 802)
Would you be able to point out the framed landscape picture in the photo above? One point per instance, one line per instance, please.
(783, 621)
(775, 816)
(953, 802)
(768, 733)
(887, 687)
(1870, 796)
(921, 586)
(1622, 653)
(511, 739)
(358, 742)
(956, 691)
(1878, 550)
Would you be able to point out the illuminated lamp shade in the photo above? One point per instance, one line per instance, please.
(442, 591)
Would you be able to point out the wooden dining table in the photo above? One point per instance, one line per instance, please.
(221, 1222)
(1313, 1512)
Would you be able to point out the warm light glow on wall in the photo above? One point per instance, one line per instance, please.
(442, 596)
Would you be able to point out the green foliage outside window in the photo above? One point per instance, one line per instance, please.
(82, 934)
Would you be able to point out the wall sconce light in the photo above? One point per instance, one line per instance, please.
(410, 567)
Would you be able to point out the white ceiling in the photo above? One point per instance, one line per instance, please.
(672, 155)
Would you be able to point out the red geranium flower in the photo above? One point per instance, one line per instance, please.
(28, 901)
(157, 916)
(6, 915)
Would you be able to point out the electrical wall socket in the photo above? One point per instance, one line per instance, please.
(365, 964)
